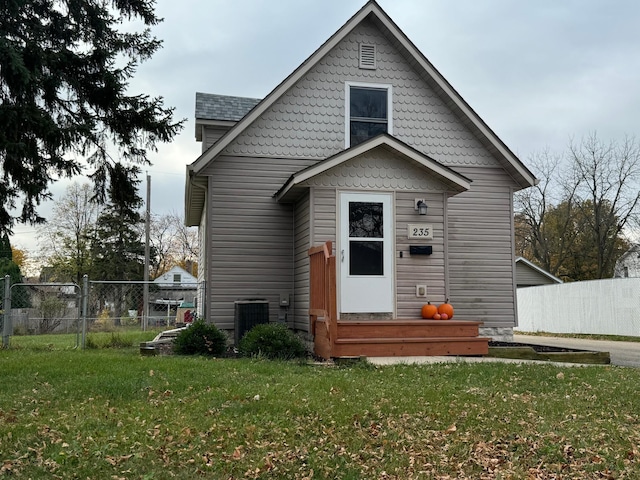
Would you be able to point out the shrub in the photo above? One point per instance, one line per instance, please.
(273, 341)
(201, 339)
(104, 322)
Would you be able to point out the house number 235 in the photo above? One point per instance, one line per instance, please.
(420, 230)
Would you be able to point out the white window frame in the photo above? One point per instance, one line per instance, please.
(347, 106)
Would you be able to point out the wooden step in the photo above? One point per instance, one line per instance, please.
(411, 346)
(406, 328)
(400, 337)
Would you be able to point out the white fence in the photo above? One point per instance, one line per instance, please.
(609, 307)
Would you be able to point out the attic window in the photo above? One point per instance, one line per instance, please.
(367, 109)
(367, 56)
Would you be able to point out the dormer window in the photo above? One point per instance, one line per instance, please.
(368, 108)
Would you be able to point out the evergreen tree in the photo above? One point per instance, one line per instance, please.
(64, 96)
(19, 295)
(117, 249)
(5, 247)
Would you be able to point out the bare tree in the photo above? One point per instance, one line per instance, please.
(538, 219)
(173, 244)
(573, 223)
(609, 177)
(66, 238)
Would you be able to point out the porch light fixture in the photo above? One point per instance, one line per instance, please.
(421, 207)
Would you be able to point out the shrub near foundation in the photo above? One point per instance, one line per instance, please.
(201, 339)
(273, 341)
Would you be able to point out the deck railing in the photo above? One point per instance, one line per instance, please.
(322, 294)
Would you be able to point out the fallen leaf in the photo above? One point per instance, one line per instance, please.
(237, 453)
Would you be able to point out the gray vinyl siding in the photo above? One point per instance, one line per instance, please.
(481, 272)
(203, 266)
(381, 171)
(324, 215)
(211, 134)
(309, 120)
(302, 242)
(250, 235)
(528, 277)
(419, 269)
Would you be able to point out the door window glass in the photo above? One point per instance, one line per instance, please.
(366, 238)
(365, 258)
(365, 220)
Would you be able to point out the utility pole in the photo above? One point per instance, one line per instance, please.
(147, 230)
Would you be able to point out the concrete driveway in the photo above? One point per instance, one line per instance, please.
(625, 354)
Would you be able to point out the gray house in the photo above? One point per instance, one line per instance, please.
(528, 274)
(367, 146)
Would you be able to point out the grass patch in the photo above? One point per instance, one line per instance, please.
(613, 338)
(122, 338)
(115, 414)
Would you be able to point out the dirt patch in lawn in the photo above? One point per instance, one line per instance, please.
(527, 351)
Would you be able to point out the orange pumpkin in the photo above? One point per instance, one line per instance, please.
(428, 310)
(447, 308)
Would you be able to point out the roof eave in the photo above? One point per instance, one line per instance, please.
(459, 182)
(541, 271)
(194, 202)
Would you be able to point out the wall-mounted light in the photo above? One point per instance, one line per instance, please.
(420, 206)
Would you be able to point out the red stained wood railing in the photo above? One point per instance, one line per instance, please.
(322, 297)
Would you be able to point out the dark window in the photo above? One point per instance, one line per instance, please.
(365, 258)
(368, 112)
(366, 222)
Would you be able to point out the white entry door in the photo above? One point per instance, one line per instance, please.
(365, 253)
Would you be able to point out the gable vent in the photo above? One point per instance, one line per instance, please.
(367, 56)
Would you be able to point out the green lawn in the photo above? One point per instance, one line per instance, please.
(110, 413)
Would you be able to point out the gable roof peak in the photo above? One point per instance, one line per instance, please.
(522, 176)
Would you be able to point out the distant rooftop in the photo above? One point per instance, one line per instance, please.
(223, 107)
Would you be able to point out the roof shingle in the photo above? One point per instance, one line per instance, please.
(210, 106)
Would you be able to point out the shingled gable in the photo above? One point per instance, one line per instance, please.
(220, 110)
(455, 182)
(516, 169)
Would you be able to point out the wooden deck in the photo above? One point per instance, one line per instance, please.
(379, 338)
(400, 338)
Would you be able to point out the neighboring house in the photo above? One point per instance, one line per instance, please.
(628, 265)
(351, 148)
(173, 289)
(530, 275)
(176, 277)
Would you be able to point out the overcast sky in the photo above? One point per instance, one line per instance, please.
(539, 72)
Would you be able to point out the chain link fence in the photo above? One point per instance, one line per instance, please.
(113, 305)
(96, 306)
(2, 295)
